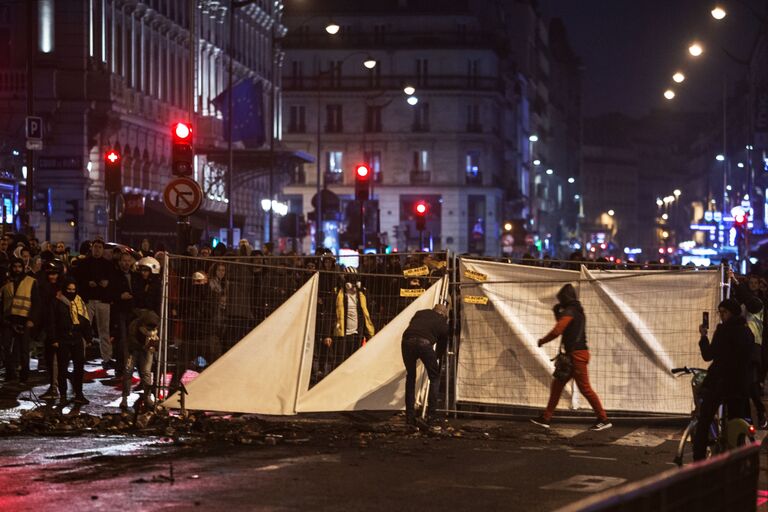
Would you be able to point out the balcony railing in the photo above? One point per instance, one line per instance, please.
(334, 177)
(391, 82)
(420, 177)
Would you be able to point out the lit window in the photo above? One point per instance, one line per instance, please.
(45, 24)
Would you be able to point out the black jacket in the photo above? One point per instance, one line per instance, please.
(63, 329)
(575, 333)
(430, 325)
(95, 269)
(729, 352)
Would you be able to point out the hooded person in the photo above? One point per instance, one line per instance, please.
(71, 327)
(572, 326)
(728, 377)
(21, 313)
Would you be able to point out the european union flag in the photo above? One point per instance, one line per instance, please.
(248, 117)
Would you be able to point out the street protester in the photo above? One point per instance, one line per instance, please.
(728, 377)
(71, 328)
(143, 339)
(427, 328)
(21, 312)
(353, 320)
(50, 288)
(572, 326)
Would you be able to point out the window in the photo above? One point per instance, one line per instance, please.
(333, 123)
(296, 120)
(422, 70)
(297, 73)
(373, 159)
(421, 117)
(335, 71)
(473, 118)
(334, 173)
(472, 167)
(379, 33)
(373, 118)
(473, 72)
(421, 160)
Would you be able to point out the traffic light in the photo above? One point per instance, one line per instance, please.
(420, 209)
(362, 182)
(182, 154)
(113, 178)
(73, 212)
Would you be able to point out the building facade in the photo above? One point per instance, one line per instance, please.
(115, 74)
(463, 147)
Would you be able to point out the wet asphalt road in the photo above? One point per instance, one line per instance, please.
(514, 467)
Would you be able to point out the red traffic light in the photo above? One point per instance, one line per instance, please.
(362, 171)
(182, 131)
(420, 208)
(112, 156)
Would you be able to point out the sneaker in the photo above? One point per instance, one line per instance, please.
(81, 400)
(601, 425)
(540, 421)
(50, 394)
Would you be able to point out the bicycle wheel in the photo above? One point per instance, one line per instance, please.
(684, 453)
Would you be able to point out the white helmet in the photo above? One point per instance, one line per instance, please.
(151, 263)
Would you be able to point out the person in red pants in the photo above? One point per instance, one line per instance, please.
(572, 326)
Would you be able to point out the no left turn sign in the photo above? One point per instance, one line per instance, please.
(182, 196)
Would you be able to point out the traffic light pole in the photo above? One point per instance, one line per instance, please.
(362, 224)
(112, 225)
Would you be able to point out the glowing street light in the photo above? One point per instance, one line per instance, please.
(412, 100)
(678, 77)
(718, 13)
(537, 162)
(720, 158)
(508, 226)
(695, 49)
(659, 202)
(664, 216)
(571, 180)
(669, 94)
(409, 90)
(740, 165)
(332, 28)
(677, 192)
(369, 63)
(533, 138)
(550, 172)
(611, 213)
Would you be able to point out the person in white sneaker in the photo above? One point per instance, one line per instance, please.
(572, 326)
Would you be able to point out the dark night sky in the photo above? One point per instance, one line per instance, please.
(631, 48)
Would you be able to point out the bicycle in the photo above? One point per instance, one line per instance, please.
(723, 435)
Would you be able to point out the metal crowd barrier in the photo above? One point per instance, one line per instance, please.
(725, 483)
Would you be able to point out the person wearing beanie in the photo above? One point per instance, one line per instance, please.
(728, 376)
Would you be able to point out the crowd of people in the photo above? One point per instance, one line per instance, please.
(106, 301)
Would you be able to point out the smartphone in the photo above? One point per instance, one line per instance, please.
(705, 319)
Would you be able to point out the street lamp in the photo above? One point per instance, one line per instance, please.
(332, 28)
(695, 49)
(718, 13)
(533, 138)
(678, 77)
(409, 90)
(720, 158)
(537, 162)
(369, 63)
(550, 172)
(412, 100)
(571, 180)
(677, 192)
(659, 202)
(669, 94)
(611, 213)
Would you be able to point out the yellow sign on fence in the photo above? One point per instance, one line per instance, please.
(476, 299)
(416, 272)
(475, 276)
(411, 292)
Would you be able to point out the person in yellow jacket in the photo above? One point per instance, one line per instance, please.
(353, 321)
(21, 312)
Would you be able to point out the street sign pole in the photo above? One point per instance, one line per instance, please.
(182, 196)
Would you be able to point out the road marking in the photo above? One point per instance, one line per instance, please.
(585, 483)
(592, 457)
(644, 438)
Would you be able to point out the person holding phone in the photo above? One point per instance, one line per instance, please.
(728, 377)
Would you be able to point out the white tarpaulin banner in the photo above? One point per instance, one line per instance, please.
(265, 371)
(373, 378)
(640, 324)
